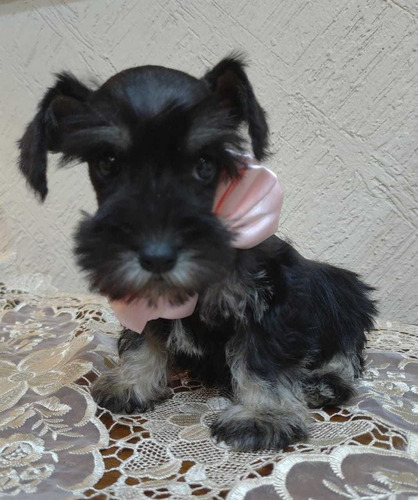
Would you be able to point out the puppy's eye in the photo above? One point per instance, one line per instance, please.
(204, 170)
(107, 167)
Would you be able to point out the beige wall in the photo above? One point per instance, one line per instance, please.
(339, 80)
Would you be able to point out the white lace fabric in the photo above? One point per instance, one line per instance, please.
(53, 443)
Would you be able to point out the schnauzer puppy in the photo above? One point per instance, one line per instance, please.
(279, 332)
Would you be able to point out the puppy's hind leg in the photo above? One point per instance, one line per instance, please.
(333, 383)
(139, 379)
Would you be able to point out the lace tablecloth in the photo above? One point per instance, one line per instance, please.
(55, 444)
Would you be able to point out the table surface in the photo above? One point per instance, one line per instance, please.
(55, 442)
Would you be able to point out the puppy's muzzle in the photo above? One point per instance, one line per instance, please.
(158, 257)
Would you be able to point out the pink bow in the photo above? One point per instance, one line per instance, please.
(249, 206)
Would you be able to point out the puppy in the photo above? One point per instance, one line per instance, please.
(279, 332)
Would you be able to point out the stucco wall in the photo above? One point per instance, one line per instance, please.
(339, 80)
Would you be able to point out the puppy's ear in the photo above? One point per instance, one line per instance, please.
(65, 97)
(229, 80)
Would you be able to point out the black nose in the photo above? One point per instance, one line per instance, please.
(158, 257)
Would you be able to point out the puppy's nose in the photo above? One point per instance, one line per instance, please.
(158, 257)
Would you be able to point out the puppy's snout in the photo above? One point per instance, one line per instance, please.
(158, 257)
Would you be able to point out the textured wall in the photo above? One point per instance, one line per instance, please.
(339, 81)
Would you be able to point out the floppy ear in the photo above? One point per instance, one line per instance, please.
(229, 80)
(42, 133)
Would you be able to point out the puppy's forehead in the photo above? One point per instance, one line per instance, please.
(147, 90)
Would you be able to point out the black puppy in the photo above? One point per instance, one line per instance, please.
(280, 332)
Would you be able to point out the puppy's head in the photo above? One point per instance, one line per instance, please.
(156, 142)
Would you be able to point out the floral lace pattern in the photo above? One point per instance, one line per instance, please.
(55, 444)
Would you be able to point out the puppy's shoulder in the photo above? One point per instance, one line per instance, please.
(278, 251)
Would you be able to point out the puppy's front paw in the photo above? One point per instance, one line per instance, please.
(251, 429)
(108, 392)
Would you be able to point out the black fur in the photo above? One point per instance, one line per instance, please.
(38, 137)
(278, 331)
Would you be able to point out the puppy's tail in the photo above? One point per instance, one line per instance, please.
(344, 308)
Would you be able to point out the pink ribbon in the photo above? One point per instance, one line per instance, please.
(249, 206)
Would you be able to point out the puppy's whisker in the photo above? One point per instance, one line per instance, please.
(185, 272)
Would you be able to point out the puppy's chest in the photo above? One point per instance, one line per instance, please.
(230, 300)
(235, 299)
(180, 341)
